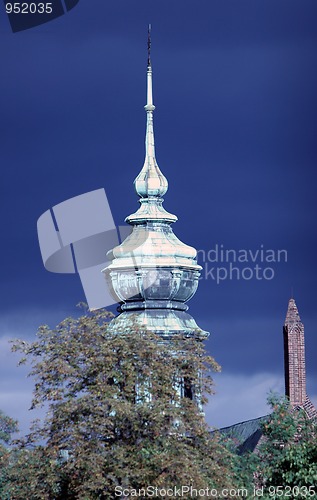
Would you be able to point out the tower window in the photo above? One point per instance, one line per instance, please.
(188, 388)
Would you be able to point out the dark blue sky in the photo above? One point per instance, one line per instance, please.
(235, 124)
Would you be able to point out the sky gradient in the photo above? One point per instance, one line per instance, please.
(235, 129)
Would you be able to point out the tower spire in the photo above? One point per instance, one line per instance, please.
(294, 358)
(150, 182)
(292, 315)
(294, 353)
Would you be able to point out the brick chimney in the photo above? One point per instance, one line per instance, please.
(294, 356)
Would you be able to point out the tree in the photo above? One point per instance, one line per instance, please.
(115, 417)
(7, 427)
(243, 466)
(289, 452)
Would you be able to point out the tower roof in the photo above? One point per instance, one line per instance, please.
(292, 315)
(153, 274)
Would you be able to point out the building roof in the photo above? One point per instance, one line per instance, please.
(246, 435)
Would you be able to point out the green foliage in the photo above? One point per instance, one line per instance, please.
(289, 451)
(115, 409)
(7, 427)
(116, 419)
(242, 466)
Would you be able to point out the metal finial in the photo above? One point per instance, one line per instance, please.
(150, 182)
(149, 45)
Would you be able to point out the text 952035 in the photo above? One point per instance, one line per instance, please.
(29, 8)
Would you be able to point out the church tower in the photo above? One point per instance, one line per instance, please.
(294, 361)
(152, 273)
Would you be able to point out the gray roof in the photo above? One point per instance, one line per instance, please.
(246, 434)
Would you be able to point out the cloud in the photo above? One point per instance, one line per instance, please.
(15, 386)
(239, 397)
(15, 389)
